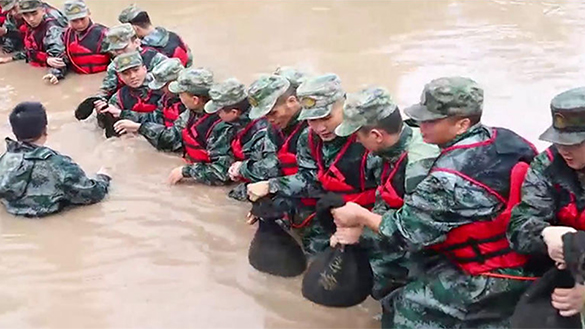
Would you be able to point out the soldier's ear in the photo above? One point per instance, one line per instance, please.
(377, 134)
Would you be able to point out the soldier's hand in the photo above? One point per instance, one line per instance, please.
(51, 78)
(5, 60)
(348, 215)
(234, 171)
(258, 190)
(56, 62)
(346, 235)
(569, 302)
(553, 237)
(175, 176)
(251, 219)
(126, 126)
(103, 107)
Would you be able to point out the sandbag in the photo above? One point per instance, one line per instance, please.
(340, 276)
(105, 120)
(273, 250)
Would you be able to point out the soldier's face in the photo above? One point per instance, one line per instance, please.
(282, 112)
(134, 77)
(34, 18)
(80, 24)
(325, 127)
(574, 155)
(228, 115)
(442, 131)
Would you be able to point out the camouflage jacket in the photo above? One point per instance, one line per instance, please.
(36, 181)
(168, 138)
(13, 40)
(159, 38)
(111, 83)
(261, 162)
(155, 116)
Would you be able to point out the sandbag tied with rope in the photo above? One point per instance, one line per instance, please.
(534, 310)
(273, 250)
(339, 276)
(106, 121)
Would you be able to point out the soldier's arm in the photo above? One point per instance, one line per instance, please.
(109, 83)
(263, 162)
(163, 138)
(304, 183)
(55, 46)
(77, 187)
(218, 146)
(155, 116)
(535, 212)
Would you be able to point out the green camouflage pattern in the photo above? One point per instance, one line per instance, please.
(75, 9)
(318, 94)
(446, 97)
(264, 92)
(159, 38)
(7, 5)
(27, 6)
(442, 296)
(568, 116)
(127, 61)
(129, 13)
(365, 108)
(165, 72)
(169, 139)
(119, 36)
(293, 75)
(226, 93)
(36, 181)
(193, 81)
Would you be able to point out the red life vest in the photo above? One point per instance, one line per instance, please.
(175, 48)
(2, 16)
(172, 108)
(499, 166)
(195, 137)
(569, 214)
(287, 155)
(130, 100)
(85, 53)
(391, 188)
(36, 54)
(244, 135)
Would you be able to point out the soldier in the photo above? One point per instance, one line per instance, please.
(169, 107)
(208, 142)
(122, 39)
(552, 196)
(43, 41)
(293, 75)
(167, 42)
(375, 119)
(135, 95)
(326, 162)
(84, 40)
(454, 222)
(37, 181)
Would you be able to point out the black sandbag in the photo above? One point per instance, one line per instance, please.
(105, 120)
(340, 276)
(85, 108)
(273, 250)
(574, 254)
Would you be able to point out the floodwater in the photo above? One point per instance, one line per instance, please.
(155, 256)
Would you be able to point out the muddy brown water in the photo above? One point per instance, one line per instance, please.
(154, 256)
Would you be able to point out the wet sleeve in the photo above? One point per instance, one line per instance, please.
(262, 163)
(421, 158)
(109, 83)
(19, 56)
(114, 100)
(304, 183)
(219, 149)
(165, 138)
(77, 187)
(535, 212)
(143, 117)
(56, 48)
(440, 203)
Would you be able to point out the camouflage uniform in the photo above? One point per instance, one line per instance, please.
(192, 81)
(36, 181)
(442, 295)
(293, 75)
(119, 37)
(549, 182)
(367, 108)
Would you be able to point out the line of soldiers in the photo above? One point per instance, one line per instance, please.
(458, 218)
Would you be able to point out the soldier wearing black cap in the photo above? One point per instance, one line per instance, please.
(553, 196)
(35, 180)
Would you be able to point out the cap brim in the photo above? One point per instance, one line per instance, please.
(262, 109)
(315, 113)
(346, 129)
(76, 16)
(554, 136)
(128, 67)
(211, 107)
(156, 85)
(175, 88)
(421, 113)
(9, 7)
(117, 46)
(23, 11)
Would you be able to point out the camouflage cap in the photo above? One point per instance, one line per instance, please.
(27, 6)
(293, 75)
(318, 94)
(165, 72)
(365, 108)
(568, 116)
(129, 13)
(447, 97)
(127, 61)
(75, 9)
(7, 5)
(195, 81)
(226, 93)
(264, 92)
(119, 36)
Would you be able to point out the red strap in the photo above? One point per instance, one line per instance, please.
(462, 175)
